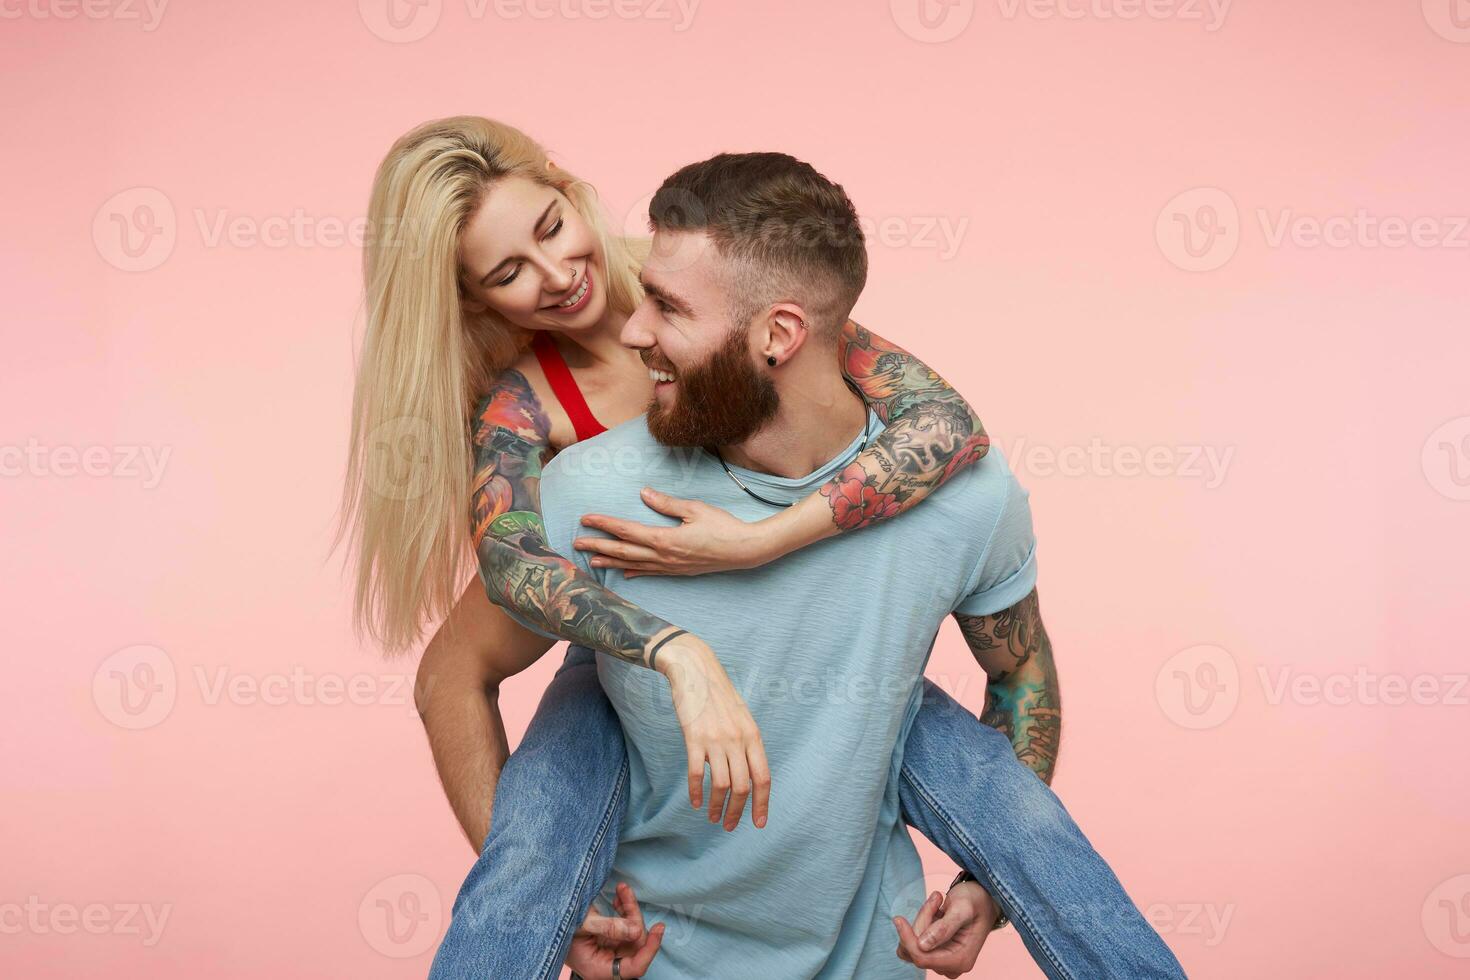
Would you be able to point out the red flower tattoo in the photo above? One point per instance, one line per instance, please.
(857, 503)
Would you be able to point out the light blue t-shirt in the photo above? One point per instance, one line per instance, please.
(827, 647)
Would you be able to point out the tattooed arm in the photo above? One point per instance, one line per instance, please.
(930, 434)
(520, 572)
(1022, 699)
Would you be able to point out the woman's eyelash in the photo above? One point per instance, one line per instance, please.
(550, 233)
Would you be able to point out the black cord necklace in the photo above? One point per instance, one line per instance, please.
(867, 431)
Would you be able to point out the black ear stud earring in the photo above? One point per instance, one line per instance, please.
(771, 359)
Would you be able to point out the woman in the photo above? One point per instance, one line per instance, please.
(495, 307)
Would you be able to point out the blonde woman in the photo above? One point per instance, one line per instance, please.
(495, 299)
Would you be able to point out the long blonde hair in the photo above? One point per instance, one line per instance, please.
(426, 362)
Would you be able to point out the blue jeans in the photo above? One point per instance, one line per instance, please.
(561, 796)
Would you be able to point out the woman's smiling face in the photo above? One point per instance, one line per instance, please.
(527, 254)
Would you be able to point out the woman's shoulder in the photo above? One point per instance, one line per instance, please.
(520, 399)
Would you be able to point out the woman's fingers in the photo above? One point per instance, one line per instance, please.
(719, 782)
(718, 729)
(739, 787)
(696, 774)
(665, 504)
(760, 779)
(631, 531)
(613, 548)
(635, 567)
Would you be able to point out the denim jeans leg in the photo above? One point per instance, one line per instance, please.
(962, 787)
(558, 811)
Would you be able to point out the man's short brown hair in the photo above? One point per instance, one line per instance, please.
(787, 232)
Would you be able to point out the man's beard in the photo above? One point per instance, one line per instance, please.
(721, 402)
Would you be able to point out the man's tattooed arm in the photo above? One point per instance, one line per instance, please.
(511, 437)
(1022, 699)
(931, 432)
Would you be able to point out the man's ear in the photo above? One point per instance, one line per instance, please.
(786, 331)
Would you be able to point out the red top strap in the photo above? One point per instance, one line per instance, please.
(559, 376)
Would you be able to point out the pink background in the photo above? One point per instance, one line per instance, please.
(1235, 644)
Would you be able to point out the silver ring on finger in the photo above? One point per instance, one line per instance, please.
(617, 968)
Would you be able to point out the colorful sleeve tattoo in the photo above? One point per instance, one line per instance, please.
(931, 433)
(511, 440)
(1022, 699)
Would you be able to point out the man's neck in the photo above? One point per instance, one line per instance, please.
(817, 419)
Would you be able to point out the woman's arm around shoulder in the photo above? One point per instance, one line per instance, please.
(930, 434)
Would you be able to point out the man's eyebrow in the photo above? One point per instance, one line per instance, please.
(664, 295)
(501, 264)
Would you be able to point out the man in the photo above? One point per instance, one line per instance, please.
(757, 262)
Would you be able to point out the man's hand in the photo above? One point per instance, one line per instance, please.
(948, 932)
(600, 938)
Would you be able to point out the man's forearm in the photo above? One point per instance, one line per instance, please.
(1023, 699)
(467, 738)
(1027, 708)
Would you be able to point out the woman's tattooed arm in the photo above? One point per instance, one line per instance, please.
(511, 437)
(931, 432)
(1022, 699)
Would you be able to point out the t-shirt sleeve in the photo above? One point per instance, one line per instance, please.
(561, 529)
(1006, 572)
